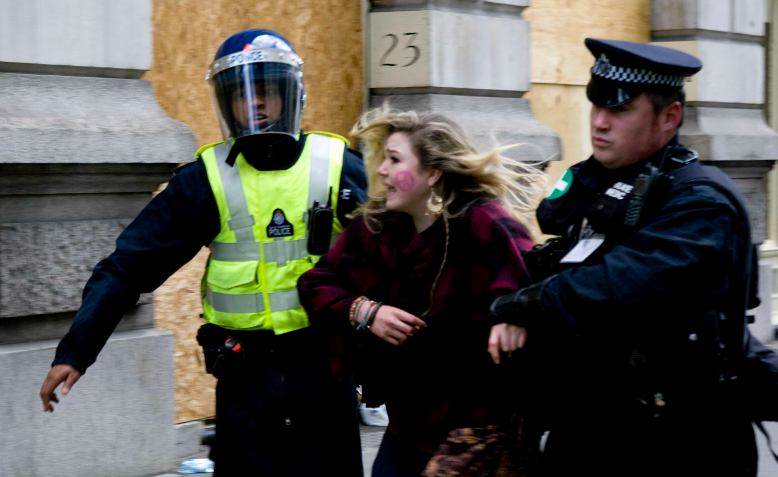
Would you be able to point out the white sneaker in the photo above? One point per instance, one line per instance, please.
(373, 416)
(195, 466)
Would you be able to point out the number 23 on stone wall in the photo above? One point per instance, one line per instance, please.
(399, 50)
(408, 51)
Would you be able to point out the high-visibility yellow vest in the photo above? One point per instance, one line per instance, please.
(250, 281)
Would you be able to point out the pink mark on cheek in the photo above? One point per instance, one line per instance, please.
(404, 181)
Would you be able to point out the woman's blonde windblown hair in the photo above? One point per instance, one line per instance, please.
(442, 144)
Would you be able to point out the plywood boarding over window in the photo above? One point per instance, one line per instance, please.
(560, 62)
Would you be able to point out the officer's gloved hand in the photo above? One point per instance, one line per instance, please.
(519, 307)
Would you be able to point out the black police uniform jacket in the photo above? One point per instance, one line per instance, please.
(630, 334)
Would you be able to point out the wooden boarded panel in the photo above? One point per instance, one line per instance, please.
(560, 63)
(558, 29)
(177, 309)
(565, 109)
(327, 34)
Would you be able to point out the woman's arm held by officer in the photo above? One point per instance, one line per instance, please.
(505, 338)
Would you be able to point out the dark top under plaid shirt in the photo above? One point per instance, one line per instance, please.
(443, 377)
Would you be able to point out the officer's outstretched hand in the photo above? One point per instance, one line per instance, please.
(505, 338)
(57, 375)
(394, 325)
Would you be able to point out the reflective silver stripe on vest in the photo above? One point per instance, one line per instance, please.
(284, 300)
(318, 182)
(280, 251)
(240, 219)
(252, 303)
(234, 252)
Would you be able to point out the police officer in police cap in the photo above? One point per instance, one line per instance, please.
(267, 201)
(638, 310)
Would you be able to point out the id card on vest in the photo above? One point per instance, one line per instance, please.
(588, 242)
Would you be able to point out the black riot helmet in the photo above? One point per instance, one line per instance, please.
(257, 85)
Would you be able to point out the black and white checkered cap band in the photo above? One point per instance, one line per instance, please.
(604, 69)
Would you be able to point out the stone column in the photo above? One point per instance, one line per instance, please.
(725, 118)
(84, 144)
(467, 59)
(770, 246)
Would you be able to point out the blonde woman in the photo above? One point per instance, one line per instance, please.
(413, 276)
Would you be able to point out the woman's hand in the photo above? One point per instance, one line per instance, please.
(505, 338)
(394, 325)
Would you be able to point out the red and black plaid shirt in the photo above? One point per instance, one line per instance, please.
(443, 377)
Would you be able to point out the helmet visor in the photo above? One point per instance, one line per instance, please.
(256, 98)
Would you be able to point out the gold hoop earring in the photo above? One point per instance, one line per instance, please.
(434, 204)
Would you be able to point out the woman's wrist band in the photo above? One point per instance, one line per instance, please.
(363, 312)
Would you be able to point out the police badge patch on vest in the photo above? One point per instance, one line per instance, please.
(279, 226)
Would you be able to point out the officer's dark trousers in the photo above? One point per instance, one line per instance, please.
(395, 459)
(281, 412)
(693, 442)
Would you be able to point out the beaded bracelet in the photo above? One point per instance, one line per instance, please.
(366, 313)
(356, 305)
(373, 313)
(363, 313)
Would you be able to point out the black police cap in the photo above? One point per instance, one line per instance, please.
(623, 70)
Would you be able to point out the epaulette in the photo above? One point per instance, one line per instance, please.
(330, 134)
(206, 146)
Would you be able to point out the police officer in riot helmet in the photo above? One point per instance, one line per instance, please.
(639, 306)
(259, 96)
(258, 86)
(267, 201)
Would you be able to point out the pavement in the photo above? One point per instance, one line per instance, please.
(371, 439)
(768, 467)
